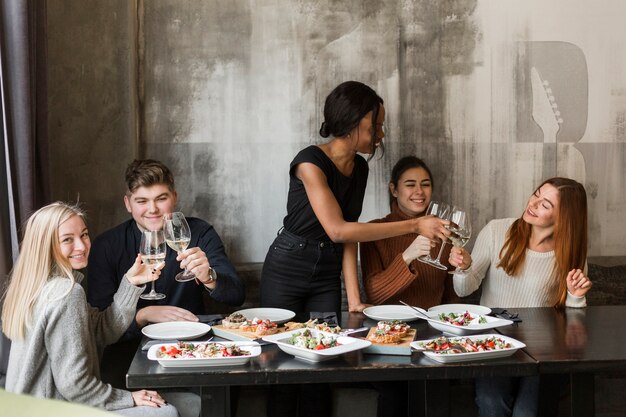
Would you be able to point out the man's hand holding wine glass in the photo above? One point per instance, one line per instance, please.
(195, 261)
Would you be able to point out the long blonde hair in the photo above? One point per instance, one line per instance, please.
(40, 258)
(570, 236)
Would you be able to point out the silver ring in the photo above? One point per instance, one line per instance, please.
(150, 398)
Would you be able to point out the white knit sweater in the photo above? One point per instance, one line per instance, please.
(534, 287)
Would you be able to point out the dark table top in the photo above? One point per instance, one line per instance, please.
(591, 339)
(274, 366)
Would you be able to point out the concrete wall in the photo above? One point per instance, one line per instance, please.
(227, 92)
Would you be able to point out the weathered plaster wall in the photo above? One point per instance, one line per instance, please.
(231, 90)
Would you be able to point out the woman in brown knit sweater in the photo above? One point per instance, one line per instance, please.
(391, 271)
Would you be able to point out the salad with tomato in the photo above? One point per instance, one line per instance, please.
(461, 319)
(444, 345)
(200, 350)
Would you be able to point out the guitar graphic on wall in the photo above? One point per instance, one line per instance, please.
(545, 108)
(565, 159)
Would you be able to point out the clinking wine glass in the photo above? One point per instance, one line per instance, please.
(461, 229)
(177, 236)
(441, 210)
(152, 250)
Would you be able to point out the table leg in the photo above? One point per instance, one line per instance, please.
(583, 390)
(215, 401)
(429, 398)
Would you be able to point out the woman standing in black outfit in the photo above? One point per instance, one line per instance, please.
(326, 189)
(319, 237)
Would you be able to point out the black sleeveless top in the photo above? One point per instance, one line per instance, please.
(349, 192)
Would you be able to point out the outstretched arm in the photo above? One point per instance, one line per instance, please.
(328, 212)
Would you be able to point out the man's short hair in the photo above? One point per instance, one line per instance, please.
(148, 172)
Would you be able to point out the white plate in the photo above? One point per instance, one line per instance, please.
(473, 327)
(461, 308)
(253, 347)
(277, 315)
(347, 344)
(392, 312)
(176, 330)
(471, 356)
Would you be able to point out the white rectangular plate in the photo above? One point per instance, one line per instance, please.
(472, 328)
(253, 347)
(347, 344)
(470, 356)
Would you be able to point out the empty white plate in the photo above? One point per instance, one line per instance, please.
(393, 312)
(176, 330)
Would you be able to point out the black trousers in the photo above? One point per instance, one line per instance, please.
(302, 275)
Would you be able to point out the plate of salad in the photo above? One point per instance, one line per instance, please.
(192, 354)
(464, 323)
(314, 345)
(468, 348)
(460, 308)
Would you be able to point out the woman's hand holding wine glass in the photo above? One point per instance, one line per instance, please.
(461, 229)
(421, 246)
(152, 251)
(140, 273)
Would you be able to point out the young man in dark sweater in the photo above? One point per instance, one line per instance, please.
(150, 195)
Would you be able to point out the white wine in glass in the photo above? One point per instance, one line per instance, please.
(178, 235)
(152, 250)
(461, 229)
(441, 210)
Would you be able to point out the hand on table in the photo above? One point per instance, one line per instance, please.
(459, 257)
(160, 314)
(358, 308)
(419, 247)
(147, 398)
(139, 273)
(577, 283)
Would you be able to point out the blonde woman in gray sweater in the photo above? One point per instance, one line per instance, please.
(56, 336)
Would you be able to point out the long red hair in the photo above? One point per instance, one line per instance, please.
(570, 236)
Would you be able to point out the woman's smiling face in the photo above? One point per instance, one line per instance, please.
(413, 192)
(542, 206)
(74, 241)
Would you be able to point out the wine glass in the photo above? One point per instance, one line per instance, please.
(461, 229)
(441, 210)
(152, 250)
(177, 236)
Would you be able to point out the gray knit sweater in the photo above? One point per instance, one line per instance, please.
(59, 357)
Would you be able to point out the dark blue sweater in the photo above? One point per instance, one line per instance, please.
(114, 251)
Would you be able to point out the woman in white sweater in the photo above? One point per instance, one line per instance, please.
(538, 260)
(56, 336)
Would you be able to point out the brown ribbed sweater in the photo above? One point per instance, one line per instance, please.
(388, 279)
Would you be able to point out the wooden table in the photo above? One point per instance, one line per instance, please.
(277, 367)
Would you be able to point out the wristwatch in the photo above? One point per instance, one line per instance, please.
(212, 276)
